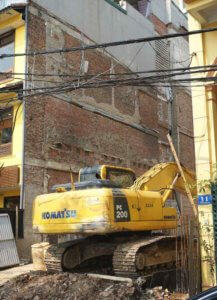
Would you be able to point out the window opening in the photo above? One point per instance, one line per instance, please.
(7, 47)
(6, 123)
(144, 7)
(119, 4)
(12, 202)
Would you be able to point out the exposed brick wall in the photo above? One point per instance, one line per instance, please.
(35, 128)
(185, 128)
(59, 177)
(159, 26)
(125, 100)
(5, 149)
(186, 151)
(148, 110)
(37, 32)
(79, 135)
(9, 177)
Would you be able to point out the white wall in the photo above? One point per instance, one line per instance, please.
(102, 22)
(178, 18)
(6, 3)
(159, 9)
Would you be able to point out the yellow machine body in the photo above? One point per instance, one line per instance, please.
(98, 211)
(108, 210)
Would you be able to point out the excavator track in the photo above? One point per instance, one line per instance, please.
(130, 261)
(53, 258)
(60, 258)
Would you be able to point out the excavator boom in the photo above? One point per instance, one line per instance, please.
(161, 176)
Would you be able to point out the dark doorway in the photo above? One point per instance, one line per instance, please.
(12, 202)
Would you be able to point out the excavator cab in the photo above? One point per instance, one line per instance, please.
(123, 177)
(100, 176)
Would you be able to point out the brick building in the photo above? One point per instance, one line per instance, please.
(50, 133)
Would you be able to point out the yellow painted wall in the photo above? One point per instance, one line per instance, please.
(199, 103)
(20, 47)
(19, 67)
(209, 49)
(19, 62)
(205, 132)
(204, 105)
(16, 157)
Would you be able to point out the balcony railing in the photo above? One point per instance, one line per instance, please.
(116, 5)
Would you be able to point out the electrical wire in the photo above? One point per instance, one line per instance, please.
(57, 91)
(67, 86)
(129, 81)
(111, 74)
(111, 44)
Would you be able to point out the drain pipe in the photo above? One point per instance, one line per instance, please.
(25, 86)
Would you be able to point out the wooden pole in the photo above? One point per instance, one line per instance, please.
(188, 192)
(72, 180)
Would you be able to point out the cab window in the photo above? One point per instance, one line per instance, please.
(124, 178)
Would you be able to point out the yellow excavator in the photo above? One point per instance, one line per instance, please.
(109, 213)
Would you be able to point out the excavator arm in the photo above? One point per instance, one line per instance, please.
(164, 178)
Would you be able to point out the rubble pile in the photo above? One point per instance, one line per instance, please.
(40, 285)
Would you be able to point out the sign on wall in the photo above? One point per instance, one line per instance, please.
(204, 199)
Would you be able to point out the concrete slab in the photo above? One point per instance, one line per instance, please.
(8, 274)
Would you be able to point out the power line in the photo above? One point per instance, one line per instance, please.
(133, 82)
(110, 74)
(61, 90)
(139, 81)
(111, 44)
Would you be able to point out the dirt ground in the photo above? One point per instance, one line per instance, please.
(66, 286)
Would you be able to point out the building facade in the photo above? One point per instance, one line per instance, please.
(12, 40)
(202, 15)
(55, 131)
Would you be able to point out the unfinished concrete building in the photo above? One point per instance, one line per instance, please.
(47, 132)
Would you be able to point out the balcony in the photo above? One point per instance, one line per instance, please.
(203, 10)
(143, 6)
(7, 3)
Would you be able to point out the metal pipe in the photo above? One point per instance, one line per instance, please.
(22, 190)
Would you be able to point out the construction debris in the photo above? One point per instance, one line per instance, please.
(41, 285)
